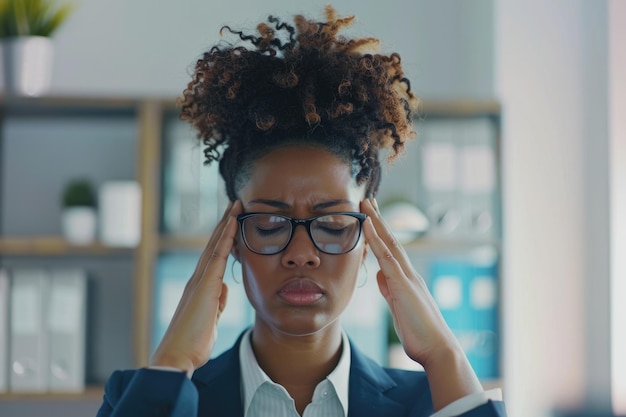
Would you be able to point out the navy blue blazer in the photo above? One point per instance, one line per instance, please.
(215, 390)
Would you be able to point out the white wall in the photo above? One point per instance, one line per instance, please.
(551, 66)
(144, 47)
(617, 109)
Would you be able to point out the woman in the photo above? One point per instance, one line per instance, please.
(296, 122)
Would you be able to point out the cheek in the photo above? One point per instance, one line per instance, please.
(251, 284)
(346, 273)
(256, 270)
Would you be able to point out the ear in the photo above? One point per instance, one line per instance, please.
(235, 252)
(366, 249)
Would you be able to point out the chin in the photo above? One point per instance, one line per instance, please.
(300, 323)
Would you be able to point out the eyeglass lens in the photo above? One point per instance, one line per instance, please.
(270, 234)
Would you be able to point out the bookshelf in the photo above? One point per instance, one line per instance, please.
(29, 235)
(32, 237)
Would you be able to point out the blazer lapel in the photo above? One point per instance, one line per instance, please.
(219, 385)
(368, 383)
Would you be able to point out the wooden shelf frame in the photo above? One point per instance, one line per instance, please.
(148, 175)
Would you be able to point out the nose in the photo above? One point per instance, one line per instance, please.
(301, 251)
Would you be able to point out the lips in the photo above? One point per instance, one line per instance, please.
(300, 291)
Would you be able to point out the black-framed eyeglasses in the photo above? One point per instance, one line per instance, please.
(332, 233)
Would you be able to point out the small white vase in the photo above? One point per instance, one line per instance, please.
(79, 225)
(119, 204)
(26, 65)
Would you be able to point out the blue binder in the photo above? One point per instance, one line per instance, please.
(483, 305)
(467, 294)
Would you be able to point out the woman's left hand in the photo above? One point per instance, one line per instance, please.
(422, 330)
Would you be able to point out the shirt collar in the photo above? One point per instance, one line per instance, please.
(252, 376)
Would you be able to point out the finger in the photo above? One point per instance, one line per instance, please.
(215, 260)
(209, 250)
(218, 259)
(382, 229)
(370, 207)
(233, 209)
(388, 263)
(208, 289)
(217, 232)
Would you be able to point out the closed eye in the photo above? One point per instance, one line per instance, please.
(334, 229)
(269, 231)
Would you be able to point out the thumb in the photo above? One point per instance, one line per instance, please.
(222, 300)
(381, 279)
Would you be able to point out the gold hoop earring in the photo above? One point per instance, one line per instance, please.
(366, 273)
(232, 271)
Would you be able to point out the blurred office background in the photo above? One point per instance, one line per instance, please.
(556, 69)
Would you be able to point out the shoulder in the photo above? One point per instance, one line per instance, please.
(143, 392)
(122, 380)
(411, 387)
(224, 365)
(117, 383)
(406, 377)
(406, 387)
(385, 377)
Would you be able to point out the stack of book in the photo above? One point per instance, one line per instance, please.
(42, 330)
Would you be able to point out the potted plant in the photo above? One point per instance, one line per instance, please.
(79, 212)
(26, 50)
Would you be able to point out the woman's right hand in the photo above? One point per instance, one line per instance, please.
(189, 339)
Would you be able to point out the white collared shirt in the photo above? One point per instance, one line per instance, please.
(264, 397)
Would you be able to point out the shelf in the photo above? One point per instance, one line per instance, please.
(469, 107)
(55, 246)
(450, 244)
(94, 393)
(31, 104)
(184, 243)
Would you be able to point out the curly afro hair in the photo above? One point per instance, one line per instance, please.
(301, 84)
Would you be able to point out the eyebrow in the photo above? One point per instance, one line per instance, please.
(284, 206)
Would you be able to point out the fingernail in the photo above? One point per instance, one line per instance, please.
(374, 203)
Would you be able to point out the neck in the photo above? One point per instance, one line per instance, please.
(298, 363)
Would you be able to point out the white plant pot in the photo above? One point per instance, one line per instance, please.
(26, 68)
(79, 225)
(119, 204)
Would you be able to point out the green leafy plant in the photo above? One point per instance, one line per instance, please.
(31, 17)
(79, 193)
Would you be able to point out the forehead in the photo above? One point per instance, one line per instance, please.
(300, 174)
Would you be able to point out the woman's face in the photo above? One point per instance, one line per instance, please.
(300, 290)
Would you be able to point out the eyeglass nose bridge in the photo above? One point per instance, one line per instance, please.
(302, 222)
(306, 223)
